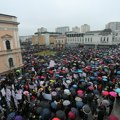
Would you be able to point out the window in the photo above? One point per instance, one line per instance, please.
(10, 60)
(107, 39)
(104, 39)
(8, 47)
(101, 39)
(91, 39)
(88, 39)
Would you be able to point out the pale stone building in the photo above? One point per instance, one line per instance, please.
(10, 52)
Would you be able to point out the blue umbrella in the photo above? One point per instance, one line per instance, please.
(118, 90)
(11, 116)
(79, 71)
(118, 72)
(92, 77)
(82, 80)
(105, 79)
(79, 104)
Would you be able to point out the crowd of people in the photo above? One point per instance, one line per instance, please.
(73, 84)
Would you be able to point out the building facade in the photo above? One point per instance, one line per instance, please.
(93, 39)
(62, 30)
(45, 39)
(85, 28)
(74, 39)
(61, 41)
(76, 29)
(42, 29)
(10, 52)
(114, 26)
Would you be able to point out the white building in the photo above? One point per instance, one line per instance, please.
(113, 26)
(42, 29)
(62, 30)
(74, 39)
(85, 28)
(94, 38)
(76, 29)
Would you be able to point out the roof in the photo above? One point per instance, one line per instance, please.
(9, 22)
(7, 15)
(47, 33)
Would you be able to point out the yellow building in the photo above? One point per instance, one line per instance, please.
(45, 39)
(10, 52)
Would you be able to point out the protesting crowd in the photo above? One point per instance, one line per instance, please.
(73, 84)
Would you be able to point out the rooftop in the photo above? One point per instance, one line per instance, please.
(7, 15)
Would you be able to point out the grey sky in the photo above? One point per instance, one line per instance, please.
(33, 14)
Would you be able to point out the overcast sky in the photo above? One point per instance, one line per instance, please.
(33, 14)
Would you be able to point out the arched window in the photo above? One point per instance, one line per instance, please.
(10, 60)
(8, 47)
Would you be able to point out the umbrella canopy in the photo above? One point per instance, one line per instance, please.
(118, 72)
(105, 93)
(118, 90)
(46, 113)
(66, 102)
(113, 117)
(39, 110)
(79, 104)
(86, 109)
(26, 93)
(60, 114)
(11, 116)
(80, 92)
(105, 103)
(113, 94)
(18, 117)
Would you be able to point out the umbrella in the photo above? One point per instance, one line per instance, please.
(46, 113)
(18, 117)
(111, 83)
(105, 79)
(96, 91)
(91, 88)
(105, 103)
(11, 116)
(86, 109)
(113, 117)
(118, 90)
(66, 102)
(79, 71)
(39, 110)
(78, 99)
(53, 105)
(60, 114)
(105, 93)
(113, 94)
(79, 104)
(26, 93)
(118, 72)
(80, 92)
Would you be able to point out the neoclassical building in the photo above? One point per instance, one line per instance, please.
(10, 52)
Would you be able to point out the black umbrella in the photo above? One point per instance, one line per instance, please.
(60, 114)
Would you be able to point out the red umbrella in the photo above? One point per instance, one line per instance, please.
(99, 78)
(105, 93)
(91, 88)
(79, 92)
(113, 117)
